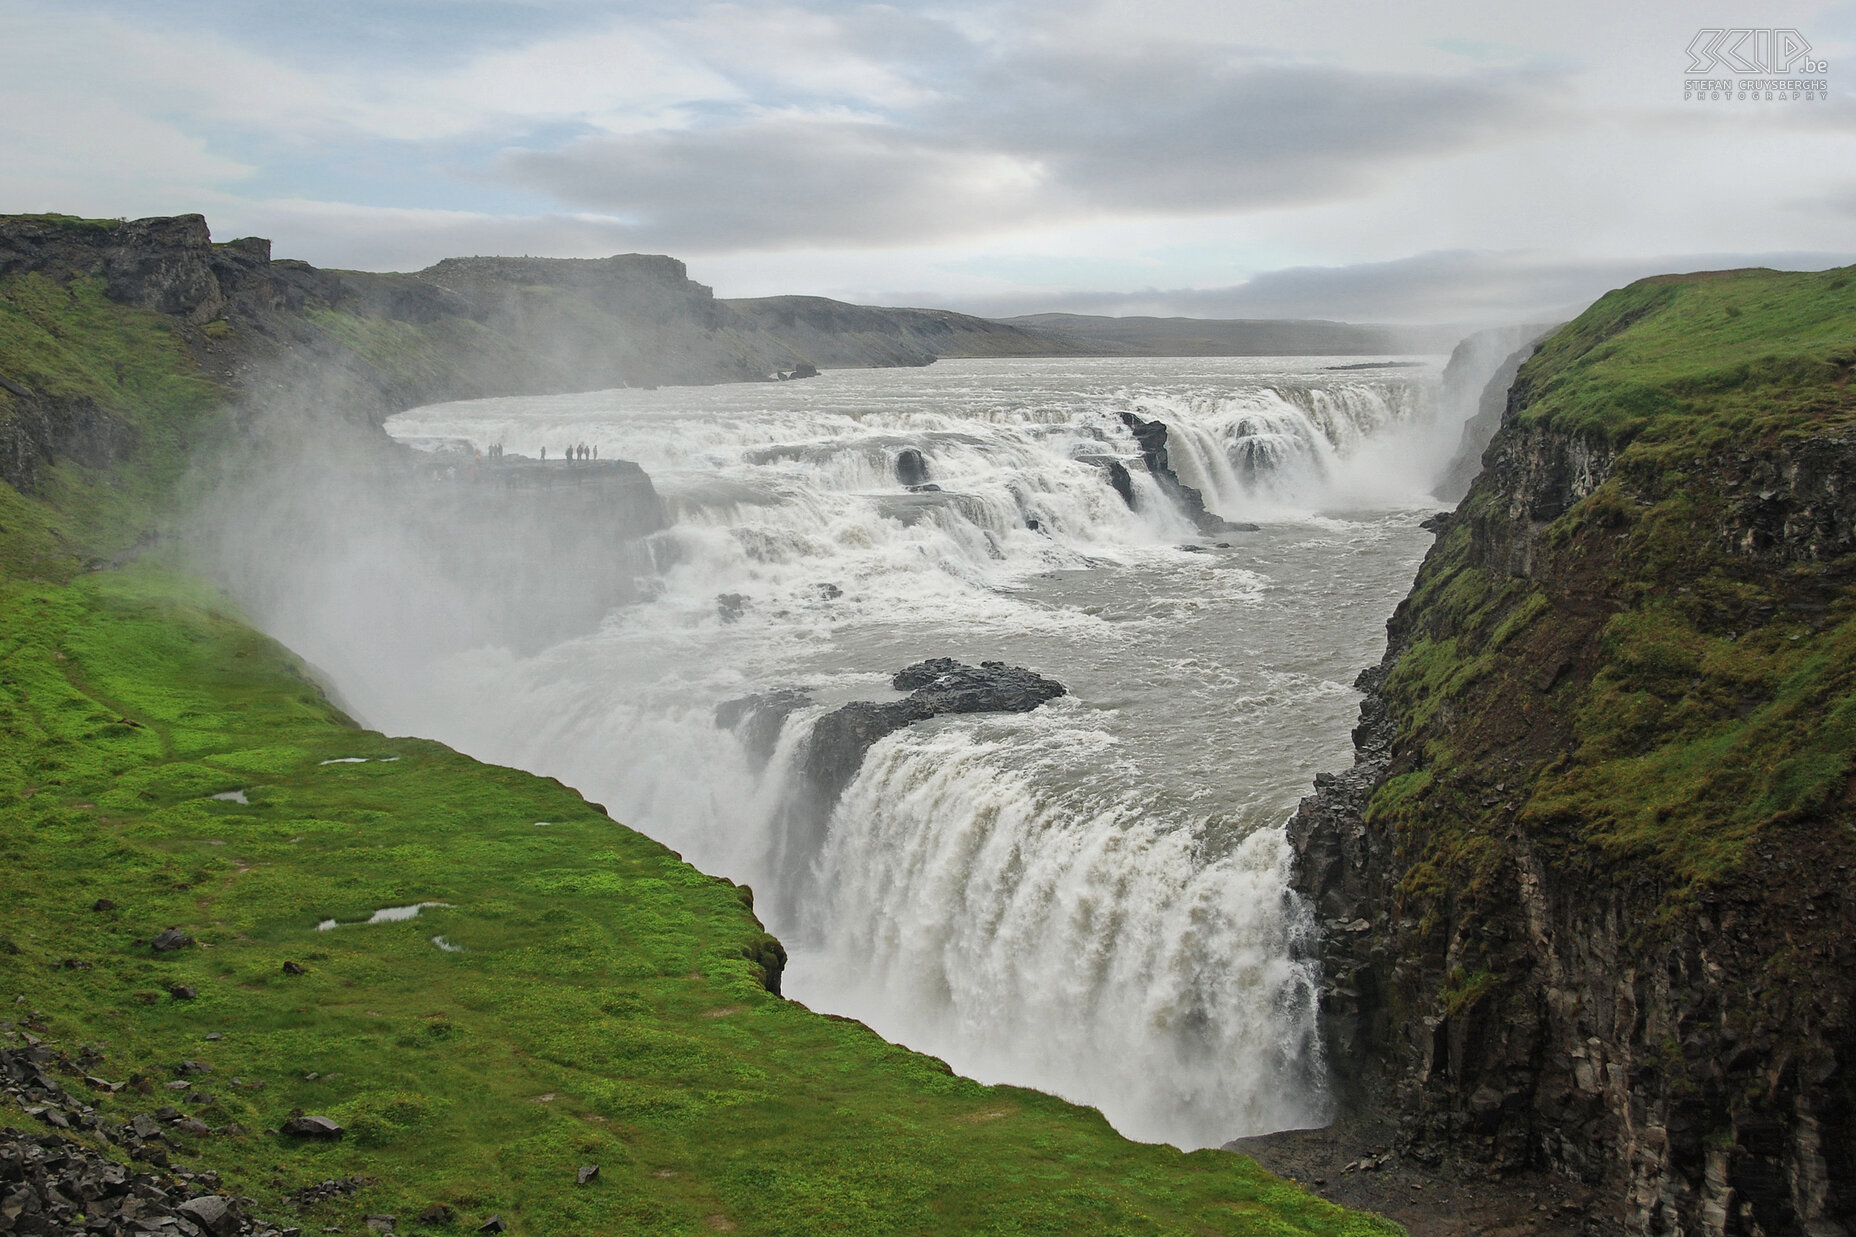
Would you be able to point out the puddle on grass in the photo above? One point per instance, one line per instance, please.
(386, 914)
(232, 796)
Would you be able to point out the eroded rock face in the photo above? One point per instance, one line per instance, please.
(1689, 1050)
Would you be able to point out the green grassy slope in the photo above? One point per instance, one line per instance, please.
(1656, 693)
(602, 1002)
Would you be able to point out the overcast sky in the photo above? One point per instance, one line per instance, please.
(1315, 158)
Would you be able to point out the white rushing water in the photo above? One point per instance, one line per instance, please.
(1090, 898)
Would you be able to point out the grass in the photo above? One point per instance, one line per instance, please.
(1650, 697)
(602, 1002)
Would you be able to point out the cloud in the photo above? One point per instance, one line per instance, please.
(782, 181)
(1030, 142)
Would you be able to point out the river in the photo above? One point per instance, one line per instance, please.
(1090, 898)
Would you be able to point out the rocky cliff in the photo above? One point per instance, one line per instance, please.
(288, 335)
(1586, 891)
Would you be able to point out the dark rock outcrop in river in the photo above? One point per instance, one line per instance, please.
(1151, 435)
(831, 755)
(835, 749)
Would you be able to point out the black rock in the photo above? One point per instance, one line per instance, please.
(588, 1172)
(295, 968)
(183, 992)
(493, 1225)
(1151, 436)
(312, 1127)
(911, 467)
(835, 748)
(210, 1213)
(170, 940)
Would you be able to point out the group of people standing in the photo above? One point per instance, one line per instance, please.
(580, 452)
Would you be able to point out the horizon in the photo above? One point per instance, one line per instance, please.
(1437, 165)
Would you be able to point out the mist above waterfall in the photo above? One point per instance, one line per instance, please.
(1089, 898)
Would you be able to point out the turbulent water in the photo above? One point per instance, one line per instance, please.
(1090, 898)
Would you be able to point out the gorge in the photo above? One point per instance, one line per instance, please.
(1572, 907)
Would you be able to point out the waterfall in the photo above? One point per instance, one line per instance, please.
(1091, 898)
(1051, 938)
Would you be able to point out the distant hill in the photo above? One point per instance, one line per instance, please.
(1103, 336)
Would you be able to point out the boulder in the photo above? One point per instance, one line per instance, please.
(587, 1173)
(911, 467)
(320, 1128)
(295, 968)
(493, 1225)
(170, 940)
(437, 1214)
(210, 1212)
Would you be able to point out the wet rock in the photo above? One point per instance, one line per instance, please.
(1117, 474)
(835, 748)
(171, 940)
(1151, 437)
(320, 1128)
(911, 467)
(729, 606)
(758, 719)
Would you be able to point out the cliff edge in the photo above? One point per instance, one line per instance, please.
(1586, 890)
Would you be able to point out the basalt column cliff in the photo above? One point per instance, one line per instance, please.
(1586, 892)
